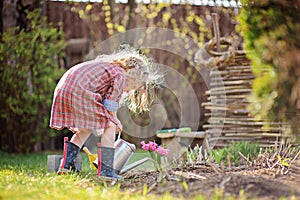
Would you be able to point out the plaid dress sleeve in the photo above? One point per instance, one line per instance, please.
(113, 95)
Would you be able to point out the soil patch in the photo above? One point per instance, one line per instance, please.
(188, 181)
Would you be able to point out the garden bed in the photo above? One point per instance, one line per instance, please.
(188, 181)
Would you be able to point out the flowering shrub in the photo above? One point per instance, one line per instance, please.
(156, 153)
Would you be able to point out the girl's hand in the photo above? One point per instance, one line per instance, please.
(119, 126)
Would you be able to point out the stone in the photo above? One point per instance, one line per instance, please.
(53, 162)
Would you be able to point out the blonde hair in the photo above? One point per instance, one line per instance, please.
(140, 68)
(135, 67)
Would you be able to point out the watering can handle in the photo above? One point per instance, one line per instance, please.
(86, 150)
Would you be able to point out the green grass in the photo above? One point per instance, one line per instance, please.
(25, 177)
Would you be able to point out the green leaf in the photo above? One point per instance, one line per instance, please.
(185, 186)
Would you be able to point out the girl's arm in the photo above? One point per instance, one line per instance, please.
(119, 124)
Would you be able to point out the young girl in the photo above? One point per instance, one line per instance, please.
(87, 97)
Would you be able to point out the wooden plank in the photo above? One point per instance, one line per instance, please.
(165, 135)
(230, 106)
(229, 100)
(231, 112)
(219, 125)
(235, 67)
(232, 138)
(226, 114)
(229, 88)
(235, 121)
(240, 96)
(264, 135)
(249, 119)
(229, 138)
(198, 134)
(247, 131)
(243, 123)
(237, 82)
(228, 72)
(233, 91)
(223, 106)
(235, 78)
(234, 110)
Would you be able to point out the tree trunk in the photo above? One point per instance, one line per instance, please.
(9, 14)
(131, 4)
(1, 22)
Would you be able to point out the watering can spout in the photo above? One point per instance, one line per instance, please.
(123, 152)
(133, 165)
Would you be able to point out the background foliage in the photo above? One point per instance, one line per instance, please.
(186, 20)
(32, 65)
(29, 71)
(271, 32)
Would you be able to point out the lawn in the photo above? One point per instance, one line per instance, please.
(26, 177)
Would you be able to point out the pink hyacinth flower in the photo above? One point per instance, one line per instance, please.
(162, 151)
(152, 146)
(145, 146)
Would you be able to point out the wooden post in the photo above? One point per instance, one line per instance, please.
(215, 20)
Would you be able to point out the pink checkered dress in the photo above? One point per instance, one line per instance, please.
(85, 94)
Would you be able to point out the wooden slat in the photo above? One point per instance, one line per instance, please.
(231, 97)
(237, 82)
(233, 91)
(234, 110)
(231, 106)
(235, 78)
(228, 88)
(227, 114)
(234, 67)
(246, 130)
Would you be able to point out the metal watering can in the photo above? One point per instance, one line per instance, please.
(123, 151)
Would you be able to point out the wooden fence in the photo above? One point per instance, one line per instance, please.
(229, 116)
